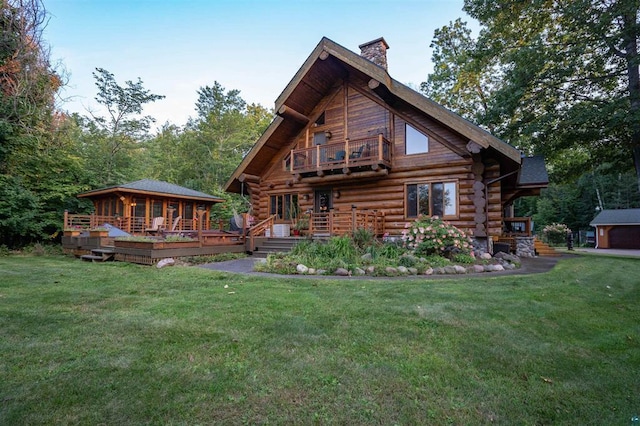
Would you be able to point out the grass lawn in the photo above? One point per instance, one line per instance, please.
(90, 343)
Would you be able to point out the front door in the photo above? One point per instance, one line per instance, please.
(321, 204)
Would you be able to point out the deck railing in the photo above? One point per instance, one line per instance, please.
(336, 223)
(347, 153)
(258, 229)
(132, 225)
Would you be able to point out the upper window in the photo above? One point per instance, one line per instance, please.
(432, 199)
(416, 142)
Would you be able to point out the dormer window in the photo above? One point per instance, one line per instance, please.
(416, 142)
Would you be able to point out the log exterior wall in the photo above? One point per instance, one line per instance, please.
(355, 111)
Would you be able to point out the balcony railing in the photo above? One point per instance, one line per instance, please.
(336, 223)
(341, 155)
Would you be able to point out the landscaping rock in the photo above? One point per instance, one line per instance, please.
(508, 257)
(428, 271)
(366, 257)
(477, 268)
(450, 270)
(321, 272)
(165, 262)
(460, 269)
(358, 271)
(413, 271)
(509, 266)
(493, 268)
(311, 271)
(302, 269)
(391, 270)
(370, 270)
(403, 270)
(342, 272)
(485, 256)
(438, 270)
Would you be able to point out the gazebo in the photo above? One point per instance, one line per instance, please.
(133, 206)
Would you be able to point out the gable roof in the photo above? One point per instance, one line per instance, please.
(617, 217)
(533, 172)
(154, 187)
(328, 63)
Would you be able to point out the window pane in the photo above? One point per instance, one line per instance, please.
(423, 200)
(188, 211)
(273, 205)
(280, 207)
(437, 204)
(412, 200)
(415, 141)
(450, 199)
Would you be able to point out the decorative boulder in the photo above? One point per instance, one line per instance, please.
(302, 269)
(342, 272)
(166, 262)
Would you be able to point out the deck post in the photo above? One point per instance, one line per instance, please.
(380, 147)
(200, 216)
(65, 224)
(353, 218)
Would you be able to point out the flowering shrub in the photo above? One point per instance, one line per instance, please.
(432, 235)
(556, 233)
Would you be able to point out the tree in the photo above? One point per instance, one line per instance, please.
(459, 81)
(570, 76)
(114, 136)
(28, 82)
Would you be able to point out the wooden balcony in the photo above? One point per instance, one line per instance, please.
(370, 155)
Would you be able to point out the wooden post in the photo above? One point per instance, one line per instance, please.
(380, 147)
(318, 160)
(330, 224)
(65, 222)
(170, 211)
(200, 216)
(291, 162)
(346, 152)
(353, 218)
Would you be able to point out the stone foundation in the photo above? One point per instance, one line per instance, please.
(525, 247)
(479, 245)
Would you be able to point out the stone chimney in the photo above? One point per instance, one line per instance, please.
(375, 51)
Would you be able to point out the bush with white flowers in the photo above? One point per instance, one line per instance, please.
(556, 233)
(432, 235)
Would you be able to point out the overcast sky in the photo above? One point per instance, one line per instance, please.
(178, 46)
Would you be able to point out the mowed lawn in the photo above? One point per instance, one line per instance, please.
(85, 343)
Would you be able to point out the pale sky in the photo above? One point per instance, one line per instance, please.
(178, 46)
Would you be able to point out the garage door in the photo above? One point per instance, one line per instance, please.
(625, 237)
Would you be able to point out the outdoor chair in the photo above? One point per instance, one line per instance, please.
(156, 225)
(360, 152)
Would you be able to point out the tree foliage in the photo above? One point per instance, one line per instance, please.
(561, 78)
(114, 136)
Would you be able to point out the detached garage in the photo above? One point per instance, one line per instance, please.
(617, 229)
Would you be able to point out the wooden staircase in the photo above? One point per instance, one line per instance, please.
(274, 245)
(102, 254)
(543, 249)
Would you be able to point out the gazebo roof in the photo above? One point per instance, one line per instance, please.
(154, 187)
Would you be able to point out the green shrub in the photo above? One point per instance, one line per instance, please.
(363, 238)
(463, 258)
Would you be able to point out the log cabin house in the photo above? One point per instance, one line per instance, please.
(351, 147)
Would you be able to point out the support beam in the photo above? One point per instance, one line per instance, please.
(289, 112)
(245, 177)
(359, 175)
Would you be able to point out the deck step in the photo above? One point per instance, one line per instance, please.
(104, 254)
(91, 258)
(544, 250)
